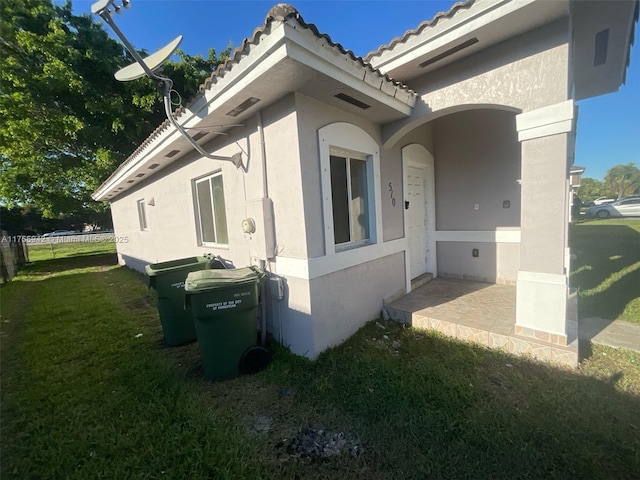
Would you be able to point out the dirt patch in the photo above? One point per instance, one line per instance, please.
(319, 444)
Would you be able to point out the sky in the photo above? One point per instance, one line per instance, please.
(608, 131)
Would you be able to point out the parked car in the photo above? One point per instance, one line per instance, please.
(625, 207)
(58, 233)
(600, 201)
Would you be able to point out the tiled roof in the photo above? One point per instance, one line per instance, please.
(455, 8)
(280, 12)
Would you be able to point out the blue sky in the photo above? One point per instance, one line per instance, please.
(608, 126)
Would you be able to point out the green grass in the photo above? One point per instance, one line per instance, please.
(607, 268)
(54, 250)
(82, 397)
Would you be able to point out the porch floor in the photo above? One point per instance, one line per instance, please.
(482, 313)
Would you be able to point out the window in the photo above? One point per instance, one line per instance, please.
(350, 198)
(142, 215)
(211, 213)
(350, 162)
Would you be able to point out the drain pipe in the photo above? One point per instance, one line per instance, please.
(265, 194)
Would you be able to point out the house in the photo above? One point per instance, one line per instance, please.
(445, 153)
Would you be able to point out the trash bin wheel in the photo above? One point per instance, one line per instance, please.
(253, 360)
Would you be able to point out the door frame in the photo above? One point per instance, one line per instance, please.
(416, 155)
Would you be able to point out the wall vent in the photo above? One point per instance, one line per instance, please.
(249, 102)
(199, 135)
(131, 181)
(600, 48)
(140, 175)
(451, 51)
(353, 101)
(153, 166)
(172, 153)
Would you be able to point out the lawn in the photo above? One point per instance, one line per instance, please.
(606, 270)
(84, 395)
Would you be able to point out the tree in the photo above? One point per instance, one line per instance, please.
(65, 122)
(590, 189)
(623, 180)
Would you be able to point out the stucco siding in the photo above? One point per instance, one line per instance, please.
(526, 72)
(312, 115)
(172, 219)
(343, 301)
(477, 163)
(292, 317)
(284, 177)
(496, 262)
(544, 208)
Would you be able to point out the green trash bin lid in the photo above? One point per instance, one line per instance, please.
(160, 268)
(205, 280)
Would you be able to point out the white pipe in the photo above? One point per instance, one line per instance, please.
(263, 155)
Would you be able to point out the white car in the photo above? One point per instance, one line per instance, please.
(58, 233)
(625, 207)
(603, 200)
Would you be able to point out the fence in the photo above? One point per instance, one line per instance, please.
(13, 255)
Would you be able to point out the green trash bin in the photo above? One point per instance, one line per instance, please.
(224, 306)
(167, 279)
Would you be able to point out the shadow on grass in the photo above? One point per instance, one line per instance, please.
(606, 269)
(71, 262)
(438, 408)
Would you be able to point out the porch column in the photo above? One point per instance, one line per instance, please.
(547, 142)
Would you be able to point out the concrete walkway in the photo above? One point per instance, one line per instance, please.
(616, 333)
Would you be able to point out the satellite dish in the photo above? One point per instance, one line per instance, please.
(153, 61)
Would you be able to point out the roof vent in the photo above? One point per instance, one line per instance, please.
(249, 102)
(153, 166)
(172, 153)
(451, 51)
(140, 175)
(199, 135)
(353, 101)
(600, 48)
(131, 181)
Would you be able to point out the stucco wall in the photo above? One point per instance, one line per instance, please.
(477, 162)
(496, 262)
(312, 115)
(343, 301)
(544, 230)
(172, 220)
(526, 72)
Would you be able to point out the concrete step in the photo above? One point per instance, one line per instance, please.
(421, 280)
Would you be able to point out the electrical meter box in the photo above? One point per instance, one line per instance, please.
(260, 229)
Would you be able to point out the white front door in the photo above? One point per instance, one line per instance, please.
(415, 210)
(420, 211)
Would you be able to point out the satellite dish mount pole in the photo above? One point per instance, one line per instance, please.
(164, 84)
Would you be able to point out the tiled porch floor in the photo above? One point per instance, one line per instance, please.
(478, 312)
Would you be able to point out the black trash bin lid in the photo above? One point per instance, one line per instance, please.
(205, 280)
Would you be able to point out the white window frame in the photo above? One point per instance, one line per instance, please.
(345, 139)
(143, 221)
(198, 217)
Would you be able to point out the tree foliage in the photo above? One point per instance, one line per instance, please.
(65, 122)
(623, 180)
(590, 189)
